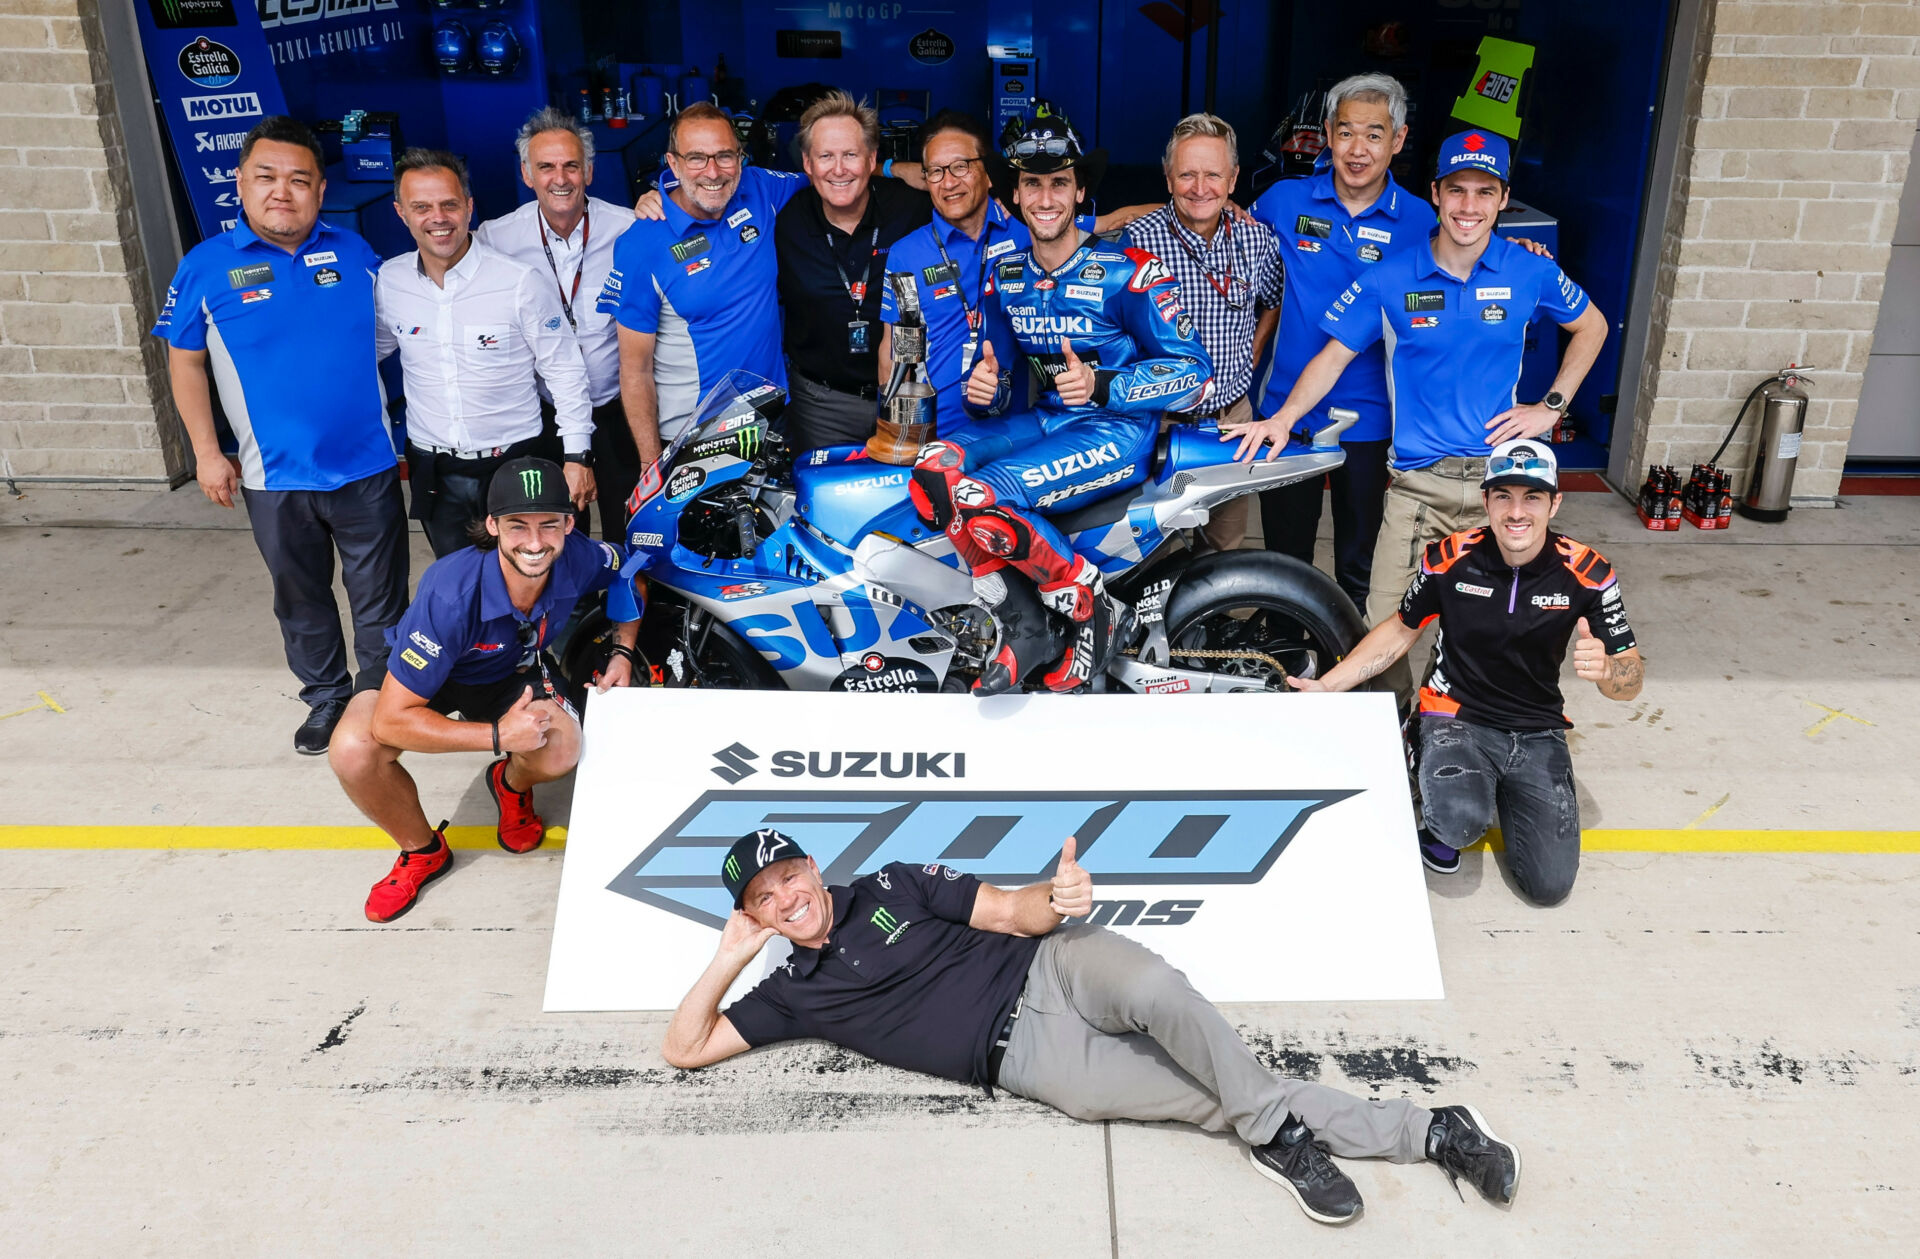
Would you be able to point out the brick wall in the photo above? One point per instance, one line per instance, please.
(78, 375)
(1790, 177)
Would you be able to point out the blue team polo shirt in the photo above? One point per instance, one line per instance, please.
(289, 339)
(1452, 346)
(947, 291)
(1323, 249)
(705, 288)
(462, 626)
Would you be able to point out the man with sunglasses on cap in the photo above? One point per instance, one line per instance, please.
(1109, 349)
(1509, 596)
(1453, 313)
(475, 643)
(928, 969)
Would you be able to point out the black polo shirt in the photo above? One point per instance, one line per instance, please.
(1504, 630)
(815, 301)
(902, 978)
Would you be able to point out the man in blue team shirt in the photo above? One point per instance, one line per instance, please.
(475, 642)
(1453, 313)
(281, 308)
(1334, 226)
(694, 291)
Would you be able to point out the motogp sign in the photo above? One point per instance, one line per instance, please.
(1226, 865)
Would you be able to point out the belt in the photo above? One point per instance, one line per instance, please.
(1462, 466)
(1212, 413)
(998, 1053)
(869, 392)
(488, 452)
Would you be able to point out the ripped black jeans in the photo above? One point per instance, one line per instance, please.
(1470, 773)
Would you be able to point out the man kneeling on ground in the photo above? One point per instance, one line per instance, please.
(927, 968)
(1492, 724)
(474, 642)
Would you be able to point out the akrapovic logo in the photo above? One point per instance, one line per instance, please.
(789, 763)
(1011, 838)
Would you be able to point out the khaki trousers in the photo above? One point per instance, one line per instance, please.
(1423, 505)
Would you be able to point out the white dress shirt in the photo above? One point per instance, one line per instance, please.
(469, 351)
(578, 263)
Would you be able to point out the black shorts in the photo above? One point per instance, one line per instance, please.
(474, 701)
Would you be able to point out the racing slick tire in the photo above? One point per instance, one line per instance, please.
(719, 658)
(1261, 601)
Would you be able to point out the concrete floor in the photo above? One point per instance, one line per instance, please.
(1701, 1053)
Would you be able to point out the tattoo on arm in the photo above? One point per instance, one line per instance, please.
(1376, 666)
(1624, 673)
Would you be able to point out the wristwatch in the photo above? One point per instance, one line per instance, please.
(582, 457)
(1556, 400)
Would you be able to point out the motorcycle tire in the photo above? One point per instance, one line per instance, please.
(721, 661)
(1261, 601)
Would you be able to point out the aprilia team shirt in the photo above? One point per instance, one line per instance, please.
(462, 625)
(705, 289)
(902, 978)
(1453, 347)
(1504, 630)
(289, 341)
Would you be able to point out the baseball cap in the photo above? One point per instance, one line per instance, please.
(750, 855)
(529, 484)
(1472, 150)
(1523, 461)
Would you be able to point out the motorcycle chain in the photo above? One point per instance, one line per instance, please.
(1223, 653)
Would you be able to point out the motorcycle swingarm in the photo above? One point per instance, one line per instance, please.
(1153, 679)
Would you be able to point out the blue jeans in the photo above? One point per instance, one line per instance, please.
(1470, 773)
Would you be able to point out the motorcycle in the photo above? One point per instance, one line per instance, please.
(762, 570)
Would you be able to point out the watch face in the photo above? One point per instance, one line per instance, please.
(1555, 400)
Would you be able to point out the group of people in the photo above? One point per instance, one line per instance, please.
(550, 355)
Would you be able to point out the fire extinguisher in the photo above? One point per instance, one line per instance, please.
(1783, 417)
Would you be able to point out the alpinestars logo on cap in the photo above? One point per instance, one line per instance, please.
(1474, 142)
(768, 849)
(733, 762)
(530, 482)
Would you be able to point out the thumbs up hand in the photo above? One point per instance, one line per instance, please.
(1589, 654)
(523, 728)
(984, 380)
(1072, 895)
(1075, 381)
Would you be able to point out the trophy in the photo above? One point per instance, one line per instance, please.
(906, 419)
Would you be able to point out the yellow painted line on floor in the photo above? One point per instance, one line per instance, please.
(239, 837)
(481, 837)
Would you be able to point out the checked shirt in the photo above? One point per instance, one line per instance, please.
(1243, 259)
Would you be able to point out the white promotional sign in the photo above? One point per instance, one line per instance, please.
(1263, 844)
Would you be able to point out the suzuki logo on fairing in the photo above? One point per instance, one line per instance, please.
(1078, 461)
(733, 762)
(1127, 839)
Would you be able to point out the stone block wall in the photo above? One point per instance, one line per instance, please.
(78, 375)
(1793, 161)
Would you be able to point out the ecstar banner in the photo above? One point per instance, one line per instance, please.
(1262, 844)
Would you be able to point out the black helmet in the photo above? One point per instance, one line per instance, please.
(1046, 142)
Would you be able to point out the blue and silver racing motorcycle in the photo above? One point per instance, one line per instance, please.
(758, 569)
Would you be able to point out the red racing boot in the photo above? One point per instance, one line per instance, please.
(520, 829)
(1099, 622)
(395, 894)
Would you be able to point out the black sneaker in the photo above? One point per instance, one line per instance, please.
(1437, 857)
(316, 731)
(1301, 1166)
(1462, 1143)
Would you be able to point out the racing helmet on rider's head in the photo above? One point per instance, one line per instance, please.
(1047, 142)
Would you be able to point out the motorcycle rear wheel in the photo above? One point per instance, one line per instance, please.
(1260, 601)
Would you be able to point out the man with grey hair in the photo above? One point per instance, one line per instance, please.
(1229, 275)
(832, 241)
(1333, 225)
(568, 235)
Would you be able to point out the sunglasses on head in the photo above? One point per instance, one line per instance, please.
(1501, 465)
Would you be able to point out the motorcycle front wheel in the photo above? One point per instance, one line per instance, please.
(679, 646)
(1243, 613)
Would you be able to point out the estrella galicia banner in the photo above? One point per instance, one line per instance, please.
(210, 69)
(1264, 844)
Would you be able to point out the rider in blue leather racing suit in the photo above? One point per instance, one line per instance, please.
(1109, 349)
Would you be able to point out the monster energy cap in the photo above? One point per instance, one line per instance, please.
(750, 855)
(528, 485)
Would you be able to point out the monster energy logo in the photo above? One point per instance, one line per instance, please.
(883, 918)
(733, 869)
(530, 482)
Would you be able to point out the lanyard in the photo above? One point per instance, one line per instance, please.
(566, 298)
(1226, 225)
(979, 280)
(856, 289)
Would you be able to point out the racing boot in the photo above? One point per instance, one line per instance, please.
(1099, 623)
(1024, 634)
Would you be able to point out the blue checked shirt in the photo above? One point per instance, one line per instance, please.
(1243, 260)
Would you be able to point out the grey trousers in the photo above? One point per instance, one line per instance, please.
(1110, 1030)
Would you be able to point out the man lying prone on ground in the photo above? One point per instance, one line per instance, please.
(927, 968)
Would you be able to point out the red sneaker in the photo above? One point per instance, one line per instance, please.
(395, 894)
(521, 829)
